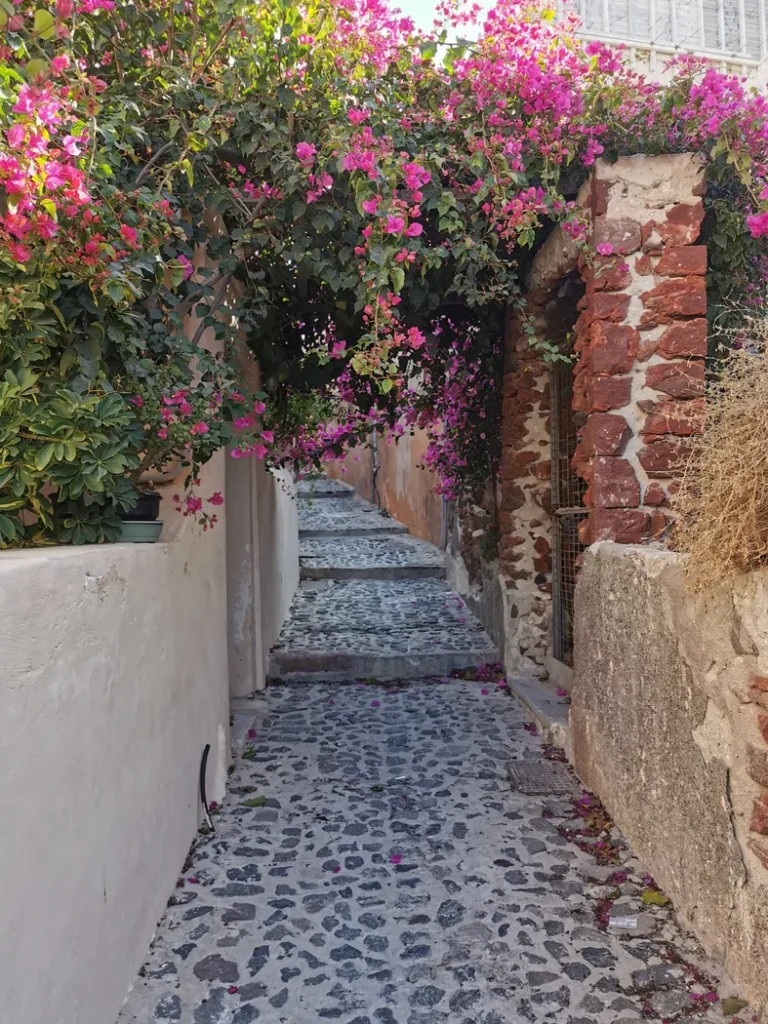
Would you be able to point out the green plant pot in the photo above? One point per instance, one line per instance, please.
(138, 532)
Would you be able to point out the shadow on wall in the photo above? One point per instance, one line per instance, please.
(394, 478)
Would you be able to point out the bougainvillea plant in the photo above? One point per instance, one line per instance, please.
(361, 202)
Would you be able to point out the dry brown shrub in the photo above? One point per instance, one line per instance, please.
(722, 505)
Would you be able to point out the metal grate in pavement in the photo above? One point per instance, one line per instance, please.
(539, 777)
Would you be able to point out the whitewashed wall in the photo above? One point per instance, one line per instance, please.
(113, 677)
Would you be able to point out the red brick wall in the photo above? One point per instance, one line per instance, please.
(640, 344)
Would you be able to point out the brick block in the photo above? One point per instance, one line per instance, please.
(612, 306)
(683, 419)
(622, 525)
(679, 296)
(682, 261)
(759, 822)
(757, 765)
(687, 340)
(620, 232)
(606, 393)
(613, 347)
(679, 379)
(604, 434)
(682, 225)
(614, 484)
(664, 458)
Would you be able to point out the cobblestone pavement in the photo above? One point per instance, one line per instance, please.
(373, 865)
(343, 517)
(369, 557)
(373, 862)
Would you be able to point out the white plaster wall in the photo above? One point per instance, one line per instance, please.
(263, 567)
(278, 548)
(113, 677)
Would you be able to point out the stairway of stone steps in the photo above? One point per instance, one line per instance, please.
(373, 602)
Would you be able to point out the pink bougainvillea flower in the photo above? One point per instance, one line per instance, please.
(186, 262)
(259, 408)
(338, 349)
(396, 858)
(371, 205)
(395, 225)
(162, 433)
(236, 453)
(268, 437)
(199, 428)
(137, 400)
(357, 116)
(414, 230)
(531, 728)
(128, 234)
(244, 422)
(336, 869)
(305, 151)
(233, 990)
(251, 734)
(758, 224)
(216, 498)
(375, 704)
(484, 692)
(605, 249)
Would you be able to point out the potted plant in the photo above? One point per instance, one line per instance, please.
(141, 524)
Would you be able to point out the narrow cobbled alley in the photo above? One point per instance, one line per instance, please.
(407, 852)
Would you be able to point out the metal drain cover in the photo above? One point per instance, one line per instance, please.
(539, 777)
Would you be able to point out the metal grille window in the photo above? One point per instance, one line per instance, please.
(733, 30)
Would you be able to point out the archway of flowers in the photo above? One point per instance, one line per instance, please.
(353, 201)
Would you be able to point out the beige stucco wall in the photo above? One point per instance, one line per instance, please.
(113, 677)
(666, 729)
(404, 487)
(262, 567)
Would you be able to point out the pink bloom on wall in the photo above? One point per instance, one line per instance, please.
(162, 433)
(758, 224)
(199, 428)
(371, 205)
(137, 400)
(268, 436)
(128, 234)
(187, 264)
(338, 349)
(259, 408)
(414, 230)
(216, 498)
(395, 225)
(605, 249)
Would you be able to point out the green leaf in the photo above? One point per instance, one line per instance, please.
(255, 801)
(428, 49)
(44, 456)
(397, 275)
(386, 385)
(44, 24)
(36, 66)
(7, 527)
(378, 255)
(186, 166)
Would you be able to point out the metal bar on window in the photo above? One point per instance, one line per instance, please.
(673, 20)
(763, 32)
(721, 24)
(743, 28)
(651, 26)
(702, 34)
(606, 18)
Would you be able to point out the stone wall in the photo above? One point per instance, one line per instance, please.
(669, 723)
(641, 341)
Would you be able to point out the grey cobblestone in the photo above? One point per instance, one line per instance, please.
(343, 517)
(398, 556)
(400, 881)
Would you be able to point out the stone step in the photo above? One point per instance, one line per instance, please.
(543, 706)
(323, 487)
(344, 517)
(341, 630)
(397, 557)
